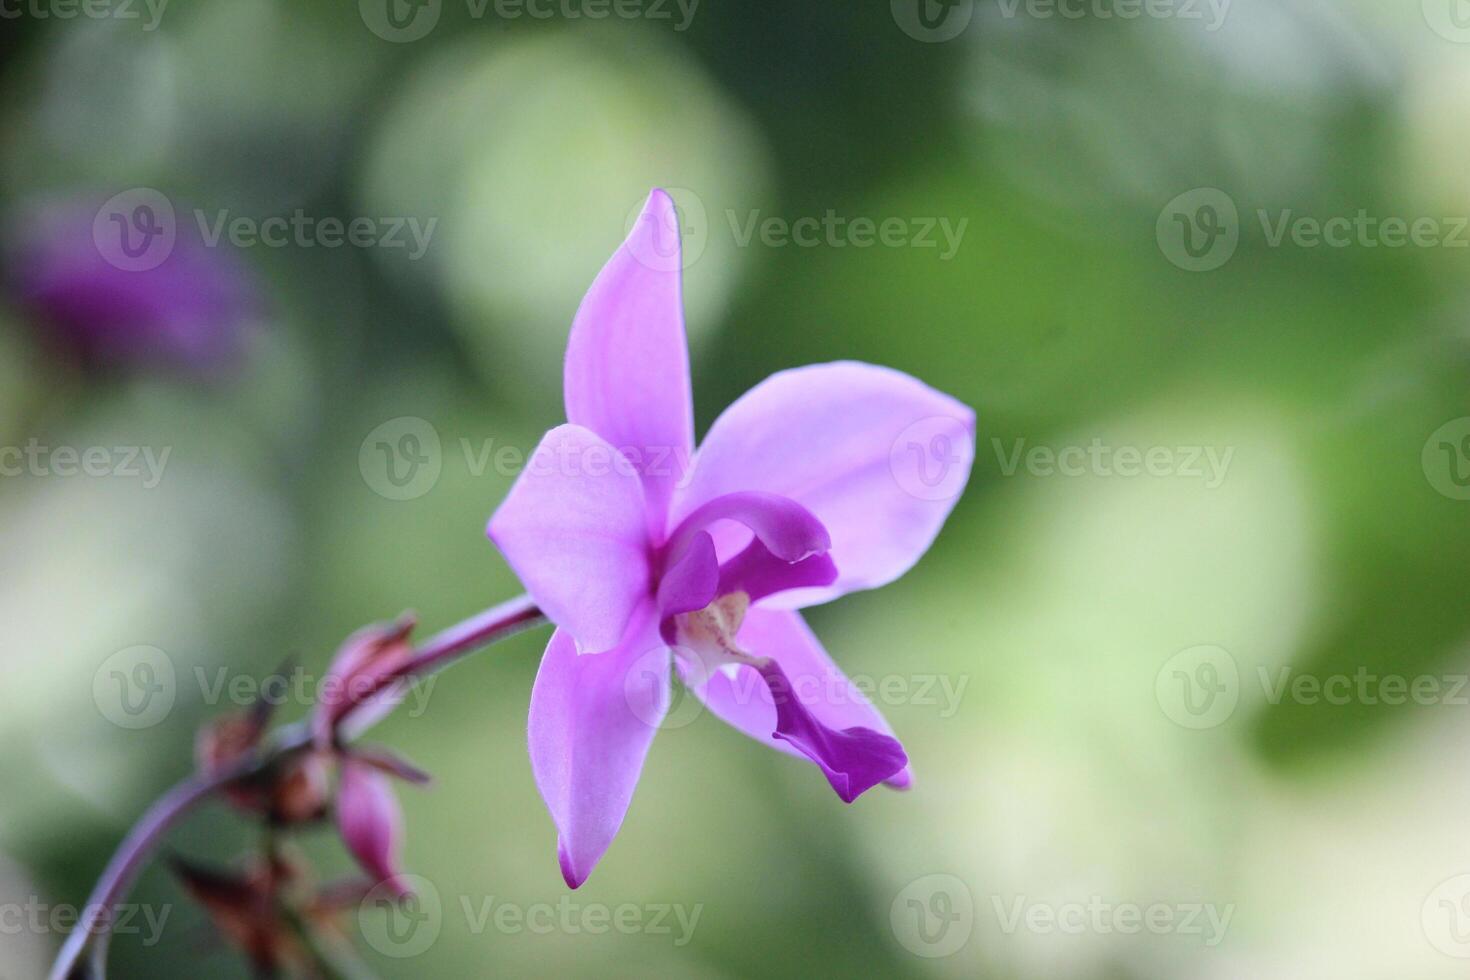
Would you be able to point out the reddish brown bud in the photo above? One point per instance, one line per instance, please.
(358, 672)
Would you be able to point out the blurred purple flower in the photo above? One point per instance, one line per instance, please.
(647, 557)
(186, 314)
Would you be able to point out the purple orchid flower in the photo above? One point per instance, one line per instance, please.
(646, 556)
(189, 314)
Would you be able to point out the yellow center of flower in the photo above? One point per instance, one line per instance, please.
(709, 634)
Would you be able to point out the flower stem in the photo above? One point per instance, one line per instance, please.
(127, 862)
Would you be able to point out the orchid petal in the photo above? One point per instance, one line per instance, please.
(758, 573)
(879, 457)
(371, 822)
(592, 721)
(785, 527)
(854, 760)
(827, 719)
(691, 580)
(627, 366)
(573, 529)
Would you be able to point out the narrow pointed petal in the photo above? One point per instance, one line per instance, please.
(574, 530)
(371, 822)
(627, 366)
(877, 456)
(592, 721)
(742, 698)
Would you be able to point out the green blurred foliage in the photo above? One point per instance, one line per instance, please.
(1050, 602)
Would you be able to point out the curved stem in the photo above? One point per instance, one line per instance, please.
(135, 848)
(439, 651)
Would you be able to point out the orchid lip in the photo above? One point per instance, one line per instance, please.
(854, 759)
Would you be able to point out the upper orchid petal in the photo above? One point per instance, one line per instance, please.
(627, 366)
(879, 457)
(592, 721)
(742, 698)
(573, 529)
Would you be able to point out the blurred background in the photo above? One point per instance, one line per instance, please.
(1184, 680)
